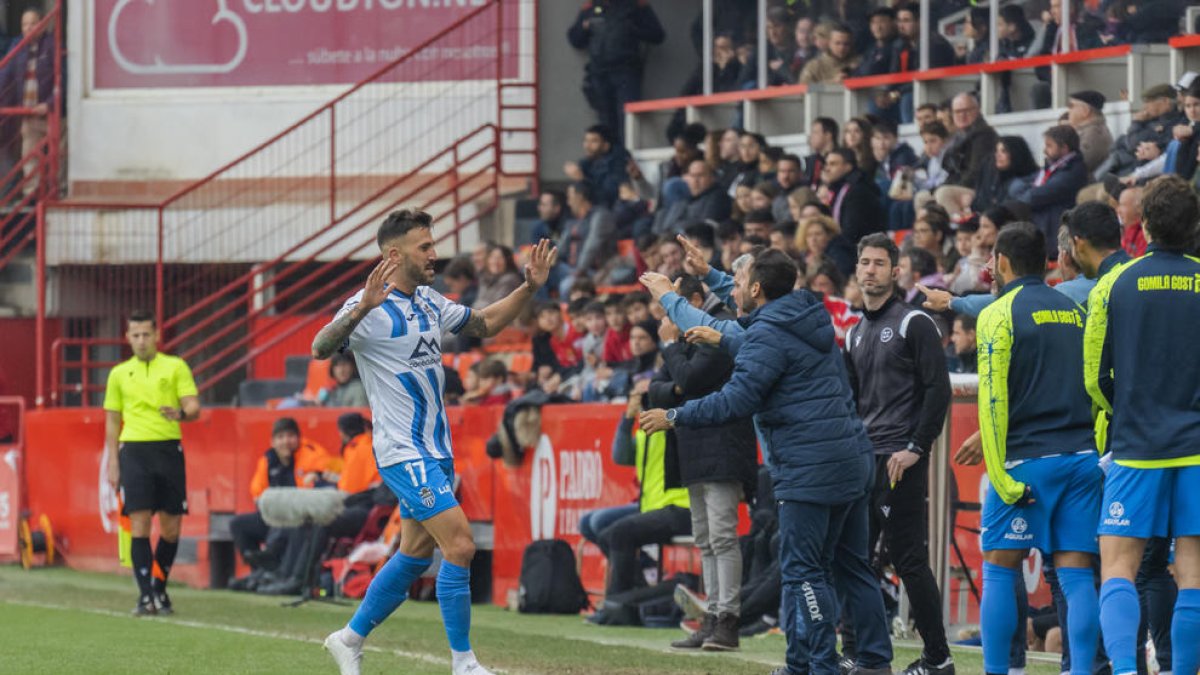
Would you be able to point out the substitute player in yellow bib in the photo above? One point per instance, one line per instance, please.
(146, 399)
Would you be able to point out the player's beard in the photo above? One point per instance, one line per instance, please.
(420, 274)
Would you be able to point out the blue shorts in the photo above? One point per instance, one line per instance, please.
(425, 487)
(1066, 493)
(1145, 503)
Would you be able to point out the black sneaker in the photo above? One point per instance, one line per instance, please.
(145, 607)
(162, 602)
(845, 664)
(922, 667)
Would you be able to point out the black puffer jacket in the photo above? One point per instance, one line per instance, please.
(723, 452)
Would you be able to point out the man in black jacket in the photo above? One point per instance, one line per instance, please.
(898, 371)
(717, 464)
(612, 32)
(853, 198)
(707, 202)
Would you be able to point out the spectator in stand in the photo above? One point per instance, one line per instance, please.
(347, 390)
(554, 341)
(798, 200)
(487, 381)
(729, 234)
(822, 138)
(964, 277)
(763, 195)
(727, 70)
(616, 338)
(1016, 35)
(806, 50)
(931, 168)
(637, 307)
(1054, 189)
(1149, 133)
(781, 48)
(1085, 113)
(932, 233)
(758, 224)
(783, 238)
(1074, 284)
(592, 344)
(631, 212)
(925, 113)
(743, 202)
(789, 175)
(919, 266)
(582, 287)
(27, 81)
(721, 152)
(670, 257)
(613, 32)
(880, 54)
(1011, 169)
(977, 32)
(1129, 212)
(685, 141)
(892, 158)
(289, 462)
(1179, 155)
(461, 285)
(970, 150)
(604, 165)
(1086, 32)
(962, 340)
(813, 239)
(498, 278)
(907, 58)
(704, 235)
(856, 135)
(853, 199)
(590, 240)
(750, 150)
(707, 201)
(836, 63)
(552, 212)
(1146, 21)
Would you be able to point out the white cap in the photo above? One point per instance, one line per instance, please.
(1186, 81)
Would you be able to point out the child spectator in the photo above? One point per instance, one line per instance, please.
(554, 342)
(596, 329)
(963, 278)
(616, 340)
(487, 384)
(583, 287)
(637, 307)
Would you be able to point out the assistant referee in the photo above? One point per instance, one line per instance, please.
(146, 399)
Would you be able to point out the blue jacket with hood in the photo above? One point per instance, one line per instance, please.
(789, 374)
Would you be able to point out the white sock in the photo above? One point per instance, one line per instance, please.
(462, 658)
(1016, 671)
(350, 638)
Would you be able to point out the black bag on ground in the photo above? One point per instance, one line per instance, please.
(549, 582)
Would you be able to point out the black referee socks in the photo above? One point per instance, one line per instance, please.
(164, 555)
(143, 561)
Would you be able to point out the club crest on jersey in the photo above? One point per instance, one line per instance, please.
(425, 347)
(427, 497)
(886, 335)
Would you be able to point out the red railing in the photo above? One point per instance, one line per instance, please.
(34, 177)
(287, 229)
(889, 79)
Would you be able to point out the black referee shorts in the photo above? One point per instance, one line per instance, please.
(153, 477)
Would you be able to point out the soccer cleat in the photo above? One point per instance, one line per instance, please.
(162, 603)
(859, 670)
(471, 667)
(693, 606)
(347, 658)
(845, 664)
(697, 638)
(921, 667)
(145, 607)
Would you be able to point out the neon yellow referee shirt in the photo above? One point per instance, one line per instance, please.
(137, 389)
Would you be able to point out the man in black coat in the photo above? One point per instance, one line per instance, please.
(708, 201)
(854, 200)
(717, 464)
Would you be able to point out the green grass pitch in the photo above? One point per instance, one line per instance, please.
(61, 621)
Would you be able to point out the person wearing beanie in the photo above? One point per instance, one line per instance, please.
(1085, 114)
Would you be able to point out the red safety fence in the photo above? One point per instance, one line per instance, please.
(287, 229)
(30, 131)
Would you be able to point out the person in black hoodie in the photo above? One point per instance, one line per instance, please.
(852, 197)
(717, 464)
(1012, 162)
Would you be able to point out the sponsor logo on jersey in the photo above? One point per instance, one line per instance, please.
(425, 347)
(1018, 530)
(1116, 515)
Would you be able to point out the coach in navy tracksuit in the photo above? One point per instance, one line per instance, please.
(789, 375)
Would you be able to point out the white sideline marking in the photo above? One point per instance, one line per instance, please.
(427, 658)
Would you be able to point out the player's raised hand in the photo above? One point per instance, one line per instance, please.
(541, 259)
(693, 258)
(658, 284)
(703, 335)
(379, 284)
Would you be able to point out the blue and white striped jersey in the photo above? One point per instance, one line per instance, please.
(398, 349)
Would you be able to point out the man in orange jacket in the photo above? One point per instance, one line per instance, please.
(290, 462)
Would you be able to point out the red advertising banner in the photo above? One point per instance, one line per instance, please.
(250, 43)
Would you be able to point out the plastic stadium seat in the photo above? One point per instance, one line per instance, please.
(520, 362)
(318, 379)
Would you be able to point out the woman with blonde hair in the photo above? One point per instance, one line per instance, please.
(798, 199)
(813, 239)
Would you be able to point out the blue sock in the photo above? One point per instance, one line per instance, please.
(1185, 632)
(1119, 617)
(1083, 616)
(998, 615)
(454, 599)
(388, 589)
